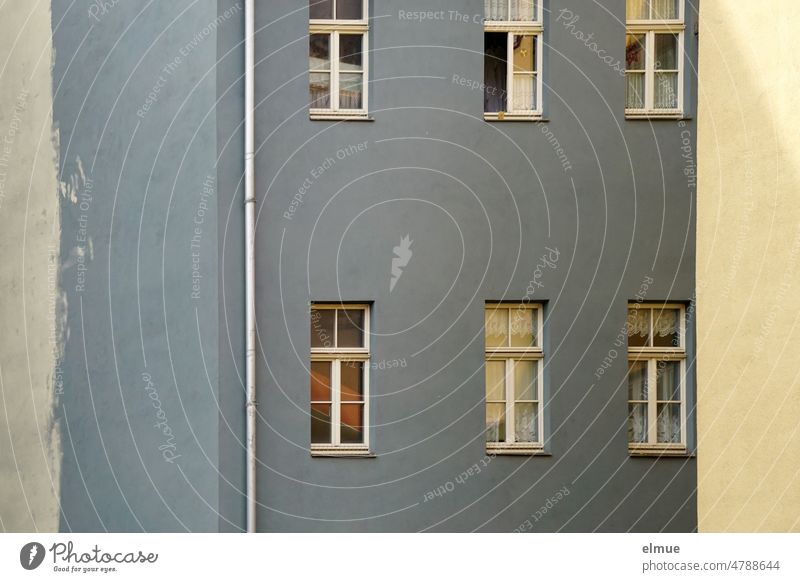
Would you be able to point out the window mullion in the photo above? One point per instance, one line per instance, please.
(510, 428)
(650, 75)
(509, 72)
(336, 413)
(335, 73)
(652, 407)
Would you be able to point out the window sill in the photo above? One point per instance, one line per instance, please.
(512, 117)
(360, 452)
(519, 450)
(659, 451)
(340, 117)
(654, 115)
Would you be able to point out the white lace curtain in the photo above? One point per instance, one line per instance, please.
(498, 9)
(665, 323)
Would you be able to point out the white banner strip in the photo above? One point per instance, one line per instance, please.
(400, 557)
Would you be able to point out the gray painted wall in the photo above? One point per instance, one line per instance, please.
(135, 93)
(482, 201)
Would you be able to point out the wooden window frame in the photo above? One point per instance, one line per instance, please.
(534, 28)
(650, 28)
(337, 356)
(652, 355)
(335, 28)
(510, 355)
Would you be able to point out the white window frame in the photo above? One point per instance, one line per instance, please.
(653, 355)
(510, 356)
(533, 28)
(337, 356)
(334, 28)
(650, 28)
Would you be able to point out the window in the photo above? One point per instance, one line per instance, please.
(340, 379)
(512, 59)
(338, 51)
(514, 421)
(656, 378)
(654, 58)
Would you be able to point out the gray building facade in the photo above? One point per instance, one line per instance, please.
(581, 210)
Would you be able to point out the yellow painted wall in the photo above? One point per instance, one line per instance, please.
(30, 445)
(748, 267)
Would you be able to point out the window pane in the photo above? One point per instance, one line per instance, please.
(495, 71)
(638, 327)
(495, 9)
(666, 328)
(668, 380)
(666, 52)
(352, 423)
(320, 87)
(320, 381)
(321, 423)
(320, 9)
(495, 423)
(496, 327)
(526, 423)
(637, 10)
(665, 9)
(634, 98)
(495, 380)
(635, 52)
(351, 328)
(350, 91)
(352, 381)
(523, 10)
(322, 328)
(666, 96)
(637, 381)
(524, 92)
(637, 423)
(350, 51)
(525, 380)
(523, 328)
(319, 55)
(524, 53)
(349, 9)
(668, 425)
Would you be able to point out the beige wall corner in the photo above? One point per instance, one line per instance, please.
(748, 267)
(29, 238)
